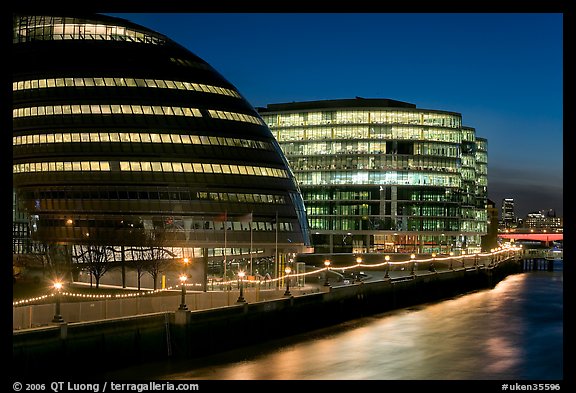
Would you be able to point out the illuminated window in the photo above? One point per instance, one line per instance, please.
(31, 28)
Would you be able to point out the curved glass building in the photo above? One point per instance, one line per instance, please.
(382, 175)
(118, 128)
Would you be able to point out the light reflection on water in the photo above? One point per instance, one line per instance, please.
(514, 331)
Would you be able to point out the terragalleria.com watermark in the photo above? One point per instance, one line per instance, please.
(59, 386)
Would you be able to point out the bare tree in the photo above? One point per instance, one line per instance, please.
(156, 254)
(95, 259)
(139, 262)
(53, 259)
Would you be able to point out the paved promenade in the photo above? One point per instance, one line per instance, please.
(93, 308)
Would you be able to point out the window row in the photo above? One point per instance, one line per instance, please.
(379, 194)
(150, 195)
(356, 148)
(325, 195)
(130, 109)
(364, 117)
(147, 166)
(235, 116)
(138, 137)
(399, 132)
(381, 162)
(133, 253)
(120, 82)
(365, 210)
(105, 109)
(249, 198)
(412, 224)
(179, 224)
(389, 177)
(29, 28)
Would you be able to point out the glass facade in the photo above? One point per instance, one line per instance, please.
(382, 175)
(118, 128)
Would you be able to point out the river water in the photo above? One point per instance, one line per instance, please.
(511, 332)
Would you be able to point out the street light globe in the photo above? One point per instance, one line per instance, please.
(387, 258)
(241, 274)
(433, 255)
(412, 256)
(288, 270)
(183, 278)
(327, 262)
(186, 260)
(359, 260)
(57, 285)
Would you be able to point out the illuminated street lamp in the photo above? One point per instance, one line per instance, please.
(387, 258)
(288, 271)
(451, 258)
(327, 264)
(431, 266)
(241, 296)
(185, 261)
(183, 279)
(412, 257)
(359, 262)
(57, 316)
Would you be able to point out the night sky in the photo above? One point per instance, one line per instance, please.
(502, 71)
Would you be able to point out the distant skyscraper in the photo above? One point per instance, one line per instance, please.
(508, 215)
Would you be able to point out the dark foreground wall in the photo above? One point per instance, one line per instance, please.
(88, 349)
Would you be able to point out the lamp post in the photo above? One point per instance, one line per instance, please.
(358, 262)
(288, 271)
(241, 296)
(412, 257)
(183, 279)
(451, 257)
(57, 316)
(387, 274)
(431, 266)
(185, 260)
(327, 264)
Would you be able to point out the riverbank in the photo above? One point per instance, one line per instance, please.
(99, 346)
(512, 332)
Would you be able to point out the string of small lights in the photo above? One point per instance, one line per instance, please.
(433, 258)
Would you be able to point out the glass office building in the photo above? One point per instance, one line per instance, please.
(380, 175)
(118, 130)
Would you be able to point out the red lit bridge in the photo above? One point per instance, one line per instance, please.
(542, 237)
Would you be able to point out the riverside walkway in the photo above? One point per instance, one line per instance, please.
(77, 307)
(184, 332)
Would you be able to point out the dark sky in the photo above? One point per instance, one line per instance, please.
(502, 71)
